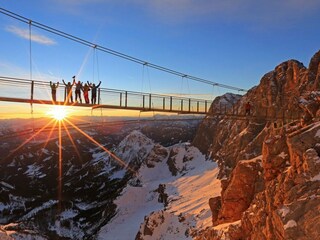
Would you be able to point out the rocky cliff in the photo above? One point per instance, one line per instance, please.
(269, 161)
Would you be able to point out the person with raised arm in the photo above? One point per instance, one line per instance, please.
(69, 89)
(86, 90)
(54, 90)
(78, 90)
(94, 92)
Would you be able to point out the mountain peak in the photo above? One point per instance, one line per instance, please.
(134, 147)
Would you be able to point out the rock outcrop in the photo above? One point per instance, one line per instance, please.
(239, 192)
(269, 163)
(275, 99)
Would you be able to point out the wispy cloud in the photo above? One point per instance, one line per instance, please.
(24, 33)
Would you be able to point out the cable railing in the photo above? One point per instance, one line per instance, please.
(37, 91)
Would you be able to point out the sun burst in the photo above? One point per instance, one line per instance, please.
(59, 113)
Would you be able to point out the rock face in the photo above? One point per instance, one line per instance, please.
(209, 127)
(289, 208)
(237, 196)
(275, 99)
(269, 164)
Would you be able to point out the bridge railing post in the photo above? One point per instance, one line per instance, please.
(205, 106)
(32, 90)
(150, 101)
(197, 106)
(126, 99)
(164, 103)
(143, 101)
(189, 104)
(181, 105)
(99, 96)
(121, 99)
(170, 103)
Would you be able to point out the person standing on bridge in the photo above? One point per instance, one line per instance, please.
(69, 89)
(86, 90)
(78, 91)
(54, 90)
(94, 92)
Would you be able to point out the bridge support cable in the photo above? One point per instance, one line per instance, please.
(115, 53)
(30, 62)
(95, 67)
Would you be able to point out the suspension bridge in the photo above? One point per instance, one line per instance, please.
(38, 91)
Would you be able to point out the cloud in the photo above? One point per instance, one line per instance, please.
(24, 33)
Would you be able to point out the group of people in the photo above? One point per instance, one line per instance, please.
(78, 88)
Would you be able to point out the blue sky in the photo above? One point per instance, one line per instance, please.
(230, 42)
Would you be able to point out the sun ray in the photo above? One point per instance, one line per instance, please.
(119, 160)
(60, 170)
(29, 139)
(72, 141)
(49, 136)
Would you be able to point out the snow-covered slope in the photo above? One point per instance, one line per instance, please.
(188, 192)
(100, 198)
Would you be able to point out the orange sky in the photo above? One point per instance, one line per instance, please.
(10, 110)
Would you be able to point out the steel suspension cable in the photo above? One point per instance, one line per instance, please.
(115, 53)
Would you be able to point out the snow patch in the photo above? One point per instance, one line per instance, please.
(7, 185)
(34, 211)
(316, 178)
(284, 211)
(67, 214)
(290, 224)
(118, 174)
(317, 134)
(33, 171)
(283, 155)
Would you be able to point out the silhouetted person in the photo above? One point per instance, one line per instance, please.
(248, 108)
(94, 92)
(78, 91)
(69, 90)
(86, 90)
(54, 90)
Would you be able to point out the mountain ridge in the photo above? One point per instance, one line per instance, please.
(287, 157)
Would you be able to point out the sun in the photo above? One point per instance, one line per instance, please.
(58, 112)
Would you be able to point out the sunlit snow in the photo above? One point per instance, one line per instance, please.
(188, 196)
